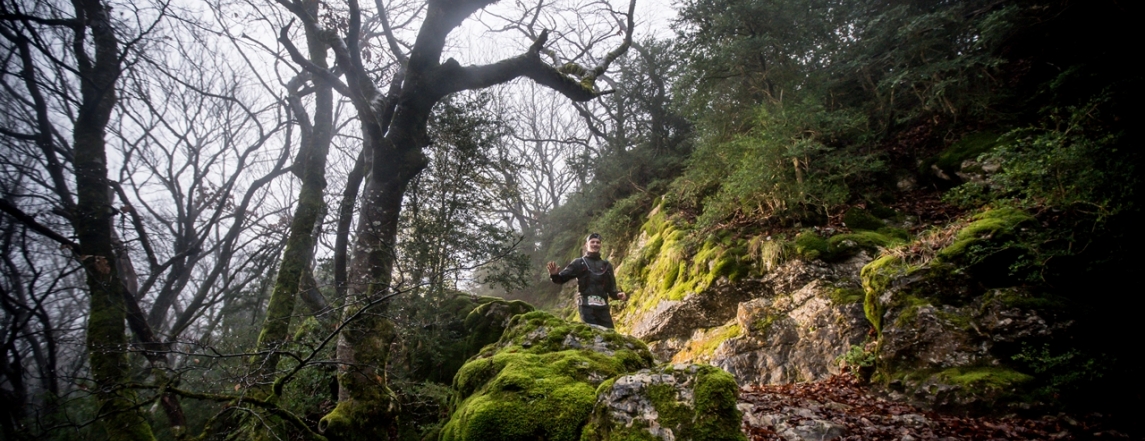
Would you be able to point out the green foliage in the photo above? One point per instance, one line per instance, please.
(620, 222)
(1071, 160)
(1062, 371)
(446, 223)
(787, 168)
(857, 357)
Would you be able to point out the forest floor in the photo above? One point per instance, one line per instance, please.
(840, 409)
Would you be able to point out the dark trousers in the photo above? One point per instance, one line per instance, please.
(596, 315)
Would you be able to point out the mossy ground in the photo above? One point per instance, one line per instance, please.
(810, 245)
(969, 147)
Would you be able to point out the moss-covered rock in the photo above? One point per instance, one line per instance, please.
(797, 333)
(539, 380)
(671, 402)
(485, 323)
(811, 246)
(988, 232)
(859, 219)
(946, 339)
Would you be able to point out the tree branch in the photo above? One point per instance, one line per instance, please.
(297, 57)
(30, 222)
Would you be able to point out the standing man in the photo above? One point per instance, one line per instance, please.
(595, 283)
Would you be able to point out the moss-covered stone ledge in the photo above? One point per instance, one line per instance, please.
(539, 381)
(951, 317)
(668, 402)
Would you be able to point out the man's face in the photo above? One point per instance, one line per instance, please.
(593, 245)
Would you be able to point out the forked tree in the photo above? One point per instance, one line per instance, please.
(394, 134)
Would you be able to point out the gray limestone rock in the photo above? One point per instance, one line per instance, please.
(668, 402)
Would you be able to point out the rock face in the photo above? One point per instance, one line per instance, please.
(947, 339)
(940, 320)
(708, 308)
(791, 338)
(787, 326)
(668, 402)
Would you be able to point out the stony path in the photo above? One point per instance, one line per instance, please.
(838, 409)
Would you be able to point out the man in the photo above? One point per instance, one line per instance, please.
(595, 283)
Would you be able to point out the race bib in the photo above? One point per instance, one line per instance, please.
(596, 301)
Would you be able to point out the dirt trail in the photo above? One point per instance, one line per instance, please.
(838, 409)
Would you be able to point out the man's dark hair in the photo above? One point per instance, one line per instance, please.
(593, 236)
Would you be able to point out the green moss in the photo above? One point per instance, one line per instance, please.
(708, 414)
(716, 417)
(860, 220)
(847, 245)
(705, 346)
(969, 147)
(877, 277)
(535, 384)
(884, 212)
(811, 246)
(1014, 298)
(984, 379)
(845, 295)
(910, 310)
(990, 226)
(486, 323)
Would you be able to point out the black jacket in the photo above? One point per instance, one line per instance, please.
(593, 275)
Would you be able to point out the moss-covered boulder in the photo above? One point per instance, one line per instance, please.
(487, 322)
(539, 381)
(669, 402)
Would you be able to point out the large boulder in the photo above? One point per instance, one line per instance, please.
(539, 381)
(668, 402)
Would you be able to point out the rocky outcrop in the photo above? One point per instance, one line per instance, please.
(939, 319)
(946, 338)
(706, 309)
(788, 325)
(793, 337)
(668, 402)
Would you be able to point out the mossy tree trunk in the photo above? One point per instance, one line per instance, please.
(394, 132)
(311, 168)
(106, 330)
